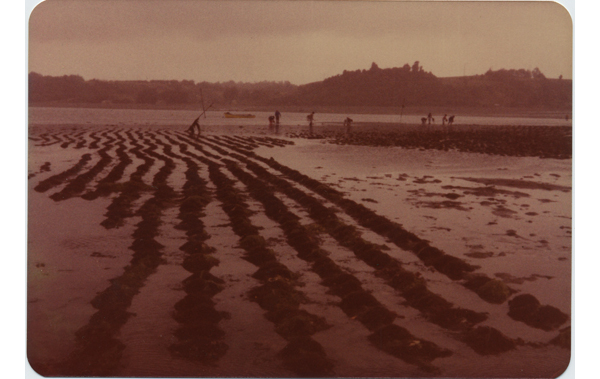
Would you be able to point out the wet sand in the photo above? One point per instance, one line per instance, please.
(398, 251)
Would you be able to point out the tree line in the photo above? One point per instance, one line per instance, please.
(408, 85)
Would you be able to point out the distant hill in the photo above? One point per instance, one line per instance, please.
(73, 89)
(408, 86)
(411, 86)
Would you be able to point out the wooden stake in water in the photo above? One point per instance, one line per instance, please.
(202, 101)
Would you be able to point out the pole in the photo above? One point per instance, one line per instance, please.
(202, 100)
(402, 110)
(204, 110)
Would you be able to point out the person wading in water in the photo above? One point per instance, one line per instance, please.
(277, 117)
(310, 118)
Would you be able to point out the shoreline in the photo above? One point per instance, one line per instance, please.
(416, 110)
(333, 126)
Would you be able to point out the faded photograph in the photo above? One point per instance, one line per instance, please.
(299, 189)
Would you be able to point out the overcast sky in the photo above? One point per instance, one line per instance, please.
(299, 41)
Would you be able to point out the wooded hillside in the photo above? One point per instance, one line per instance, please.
(392, 87)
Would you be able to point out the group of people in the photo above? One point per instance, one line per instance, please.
(274, 121)
(429, 120)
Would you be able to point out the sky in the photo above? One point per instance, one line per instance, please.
(293, 40)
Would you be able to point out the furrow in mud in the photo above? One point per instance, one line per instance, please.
(107, 185)
(77, 185)
(412, 287)
(195, 143)
(80, 140)
(491, 290)
(270, 141)
(355, 301)
(277, 294)
(523, 308)
(95, 140)
(69, 140)
(42, 138)
(199, 336)
(59, 179)
(99, 351)
(120, 207)
(238, 139)
(51, 139)
(43, 168)
(435, 308)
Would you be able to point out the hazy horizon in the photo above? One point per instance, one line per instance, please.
(295, 41)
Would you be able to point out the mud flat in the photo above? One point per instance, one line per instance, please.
(395, 251)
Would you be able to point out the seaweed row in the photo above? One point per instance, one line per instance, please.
(450, 266)
(236, 143)
(199, 336)
(120, 207)
(358, 303)
(77, 185)
(196, 145)
(491, 290)
(208, 143)
(535, 141)
(81, 141)
(106, 185)
(247, 142)
(49, 139)
(58, 179)
(413, 288)
(159, 180)
(95, 140)
(98, 351)
(44, 137)
(277, 293)
(71, 136)
(483, 340)
(272, 141)
(43, 168)
(252, 142)
(69, 140)
(355, 301)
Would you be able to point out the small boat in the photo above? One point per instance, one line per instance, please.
(232, 115)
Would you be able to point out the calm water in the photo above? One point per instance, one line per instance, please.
(95, 116)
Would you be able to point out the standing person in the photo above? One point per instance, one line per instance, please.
(445, 119)
(429, 118)
(347, 124)
(195, 125)
(310, 118)
(277, 117)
